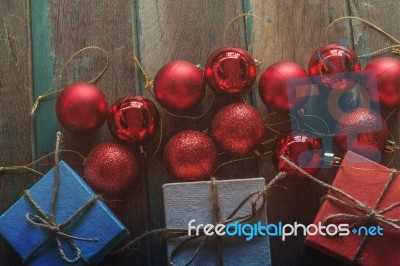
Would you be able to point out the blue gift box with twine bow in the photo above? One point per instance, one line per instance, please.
(82, 230)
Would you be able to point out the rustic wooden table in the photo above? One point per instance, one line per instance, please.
(37, 37)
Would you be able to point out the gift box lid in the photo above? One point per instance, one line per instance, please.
(96, 222)
(193, 200)
(366, 186)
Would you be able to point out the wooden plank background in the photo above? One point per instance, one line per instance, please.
(37, 37)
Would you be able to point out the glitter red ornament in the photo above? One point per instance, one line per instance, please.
(381, 78)
(301, 149)
(362, 131)
(133, 120)
(110, 169)
(190, 156)
(81, 108)
(284, 86)
(334, 66)
(179, 86)
(238, 129)
(230, 71)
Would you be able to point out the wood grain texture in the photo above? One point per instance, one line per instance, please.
(383, 14)
(160, 31)
(110, 25)
(295, 29)
(15, 101)
(191, 31)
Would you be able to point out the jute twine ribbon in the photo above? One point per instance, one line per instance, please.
(368, 215)
(41, 219)
(258, 199)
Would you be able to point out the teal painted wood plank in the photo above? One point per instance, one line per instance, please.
(46, 124)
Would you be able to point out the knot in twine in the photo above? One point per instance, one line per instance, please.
(368, 215)
(48, 222)
(257, 199)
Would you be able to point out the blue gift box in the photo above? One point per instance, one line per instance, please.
(97, 221)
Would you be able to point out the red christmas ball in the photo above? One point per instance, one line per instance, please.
(362, 131)
(238, 129)
(381, 78)
(179, 86)
(190, 156)
(301, 149)
(334, 66)
(110, 169)
(284, 86)
(81, 108)
(230, 70)
(133, 119)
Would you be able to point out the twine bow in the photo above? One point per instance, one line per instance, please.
(257, 199)
(368, 215)
(48, 222)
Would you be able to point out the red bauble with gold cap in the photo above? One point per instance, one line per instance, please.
(334, 66)
(230, 71)
(81, 107)
(190, 156)
(300, 148)
(179, 86)
(381, 78)
(133, 120)
(238, 129)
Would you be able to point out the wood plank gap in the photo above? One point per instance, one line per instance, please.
(31, 95)
(347, 12)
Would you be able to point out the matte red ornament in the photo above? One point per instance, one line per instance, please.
(381, 78)
(133, 120)
(238, 129)
(362, 131)
(284, 86)
(230, 70)
(190, 156)
(334, 66)
(179, 86)
(302, 149)
(110, 169)
(81, 108)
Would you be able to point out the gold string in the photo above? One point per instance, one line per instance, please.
(265, 25)
(161, 136)
(391, 113)
(149, 86)
(238, 160)
(51, 91)
(28, 166)
(395, 48)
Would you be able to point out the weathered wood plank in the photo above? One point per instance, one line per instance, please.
(385, 15)
(15, 101)
(110, 25)
(295, 29)
(186, 30)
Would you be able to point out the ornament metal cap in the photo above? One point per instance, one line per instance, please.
(391, 147)
(330, 159)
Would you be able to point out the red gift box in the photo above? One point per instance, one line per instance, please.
(376, 191)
